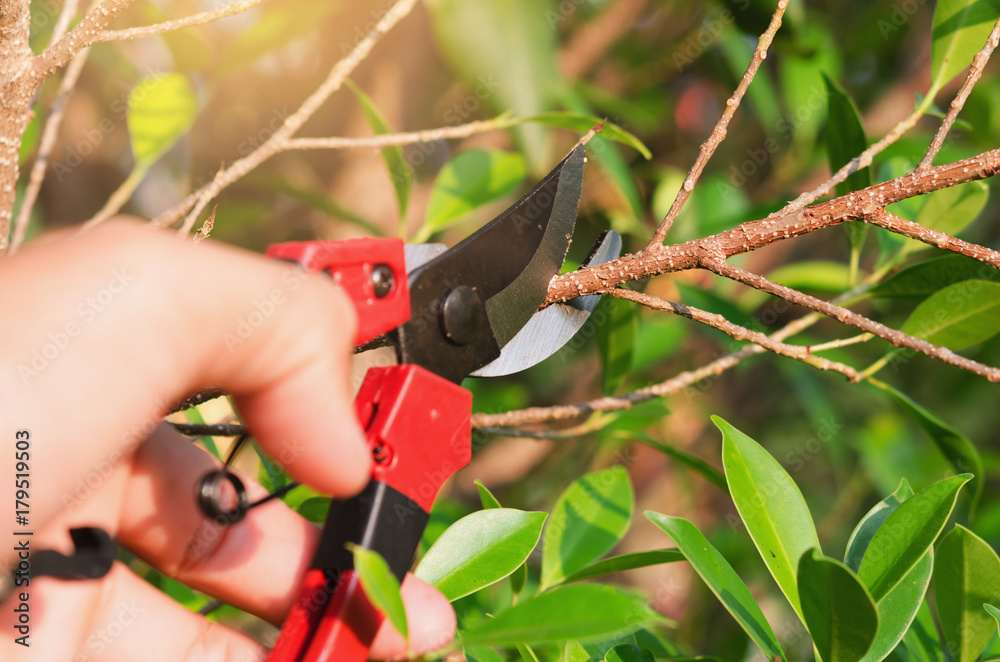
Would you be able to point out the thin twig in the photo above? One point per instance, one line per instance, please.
(893, 223)
(233, 8)
(45, 146)
(397, 139)
(845, 316)
(841, 342)
(975, 73)
(719, 132)
(340, 71)
(737, 332)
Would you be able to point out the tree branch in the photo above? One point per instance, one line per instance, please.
(757, 234)
(294, 122)
(719, 132)
(15, 103)
(737, 332)
(233, 8)
(975, 73)
(893, 223)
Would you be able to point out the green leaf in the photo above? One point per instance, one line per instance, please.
(486, 497)
(527, 654)
(960, 31)
(966, 575)
(839, 614)
(994, 612)
(400, 172)
(907, 534)
(921, 280)
(589, 519)
(381, 586)
(921, 640)
(161, 109)
(957, 448)
(951, 210)
(845, 139)
(480, 549)
(615, 340)
(584, 123)
(720, 577)
(861, 537)
(315, 509)
(771, 506)
(470, 180)
(629, 653)
(958, 316)
(625, 562)
(583, 612)
(899, 607)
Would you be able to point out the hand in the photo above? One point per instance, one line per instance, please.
(101, 334)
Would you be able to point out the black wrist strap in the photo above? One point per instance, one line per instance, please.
(95, 553)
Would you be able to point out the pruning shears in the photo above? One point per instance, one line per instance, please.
(469, 310)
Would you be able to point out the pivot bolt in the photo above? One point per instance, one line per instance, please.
(462, 314)
(383, 280)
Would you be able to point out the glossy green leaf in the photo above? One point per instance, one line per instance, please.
(400, 172)
(958, 316)
(161, 109)
(957, 448)
(966, 575)
(315, 509)
(720, 577)
(573, 651)
(625, 562)
(951, 210)
(921, 280)
(381, 586)
(615, 340)
(839, 613)
(486, 497)
(471, 179)
(771, 506)
(583, 612)
(589, 519)
(584, 123)
(907, 534)
(480, 549)
(960, 31)
(899, 607)
(812, 275)
(861, 537)
(629, 653)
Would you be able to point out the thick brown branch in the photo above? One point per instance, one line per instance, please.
(15, 102)
(719, 132)
(756, 234)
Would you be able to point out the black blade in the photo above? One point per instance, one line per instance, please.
(470, 301)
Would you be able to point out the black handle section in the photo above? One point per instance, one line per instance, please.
(380, 519)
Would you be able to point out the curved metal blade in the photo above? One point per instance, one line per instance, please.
(550, 329)
(507, 264)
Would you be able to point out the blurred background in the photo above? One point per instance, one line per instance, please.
(662, 70)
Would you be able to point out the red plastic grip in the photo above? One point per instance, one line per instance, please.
(350, 263)
(419, 424)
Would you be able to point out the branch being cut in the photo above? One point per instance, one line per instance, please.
(719, 132)
(757, 234)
